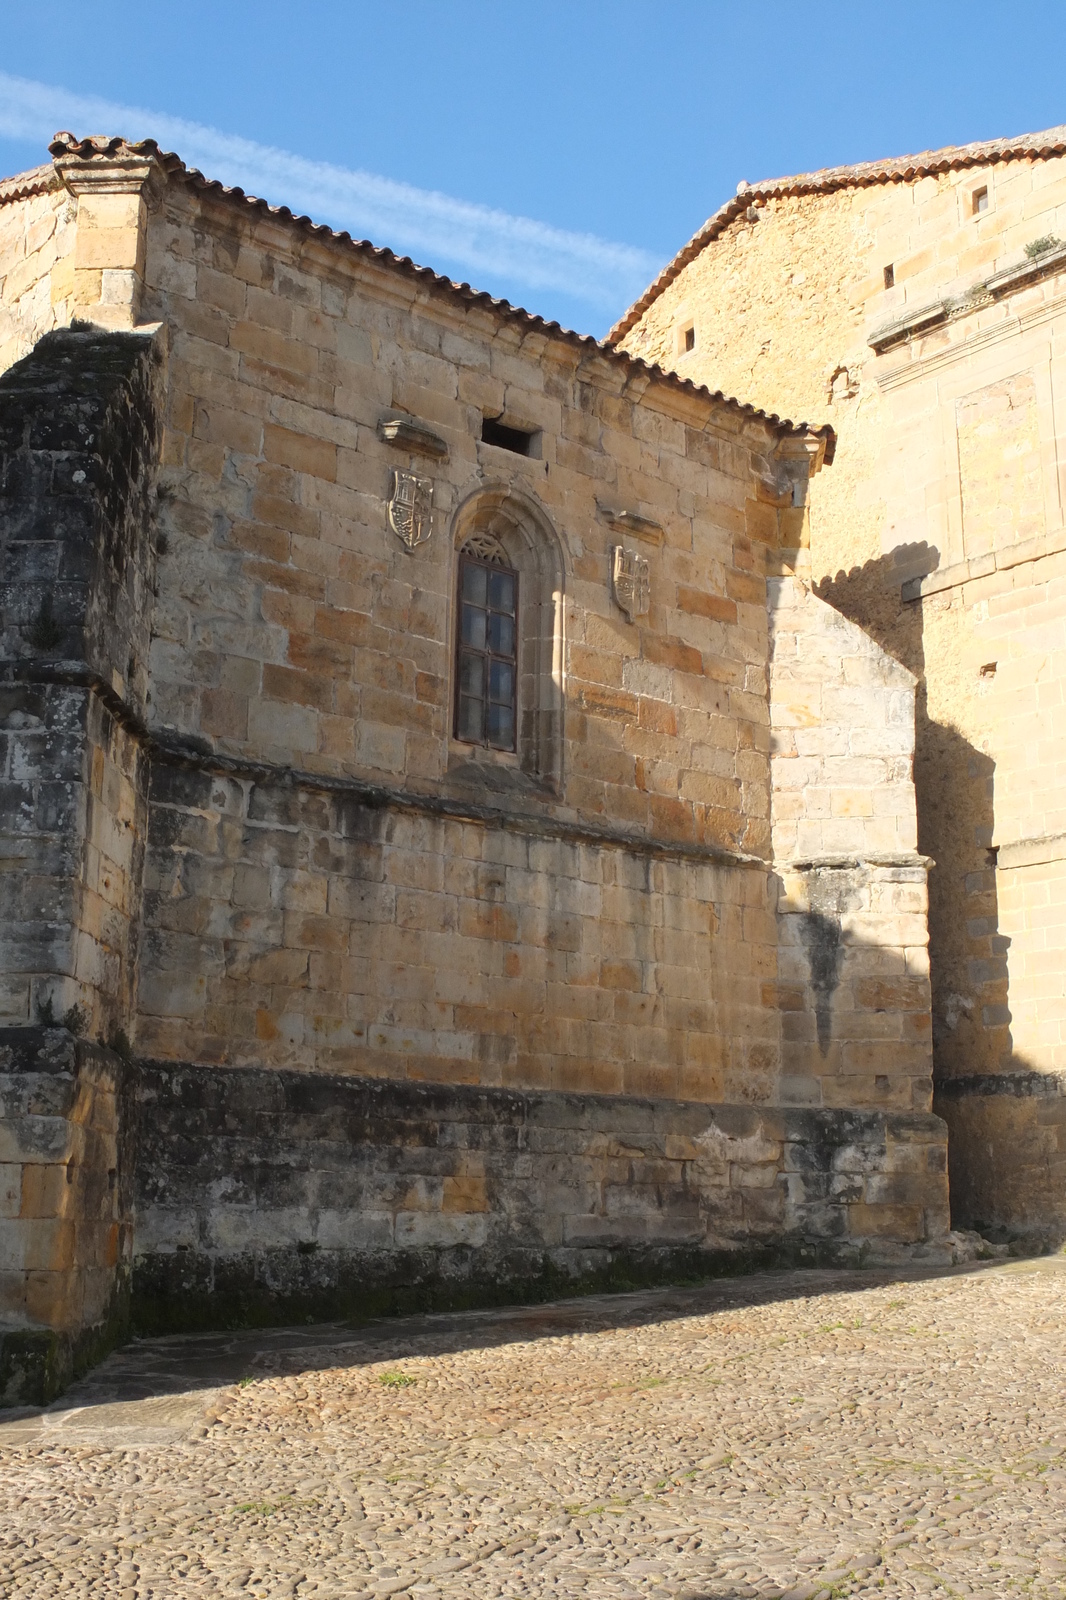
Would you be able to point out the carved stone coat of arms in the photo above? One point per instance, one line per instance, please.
(410, 508)
(631, 581)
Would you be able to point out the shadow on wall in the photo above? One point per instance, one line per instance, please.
(820, 935)
(954, 785)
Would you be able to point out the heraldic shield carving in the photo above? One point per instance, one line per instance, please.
(631, 579)
(410, 508)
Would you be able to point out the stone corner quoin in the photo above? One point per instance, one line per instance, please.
(450, 851)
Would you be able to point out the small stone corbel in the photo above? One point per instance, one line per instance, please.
(410, 434)
(633, 523)
(783, 475)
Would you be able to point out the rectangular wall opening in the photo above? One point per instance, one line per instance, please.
(504, 438)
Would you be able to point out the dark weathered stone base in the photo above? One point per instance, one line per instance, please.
(65, 1235)
(274, 1289)
(37, 1364)
(1007, 1137)
(254, 1197)
(278, 1197)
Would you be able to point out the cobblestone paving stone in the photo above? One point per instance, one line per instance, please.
(804, 1434)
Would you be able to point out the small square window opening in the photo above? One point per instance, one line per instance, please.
(980, 201)
(493, 431)
(689, 339)
(890, 276)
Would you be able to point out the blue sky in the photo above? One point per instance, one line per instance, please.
(554, 153)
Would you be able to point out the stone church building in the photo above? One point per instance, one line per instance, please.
(452, 847)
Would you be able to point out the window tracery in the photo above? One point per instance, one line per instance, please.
(484, 546)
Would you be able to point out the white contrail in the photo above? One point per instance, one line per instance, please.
(434, 227)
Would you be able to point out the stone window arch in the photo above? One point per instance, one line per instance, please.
(502, 529)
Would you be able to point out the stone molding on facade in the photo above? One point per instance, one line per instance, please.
(411, 435)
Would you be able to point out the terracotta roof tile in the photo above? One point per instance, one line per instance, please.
(24, 184)
(901, 169)
(66, 145)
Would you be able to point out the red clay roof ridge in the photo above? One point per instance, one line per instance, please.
(1049, 142)
(65, 145)
(897, 169)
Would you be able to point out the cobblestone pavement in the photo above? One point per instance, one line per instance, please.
(801, 1434)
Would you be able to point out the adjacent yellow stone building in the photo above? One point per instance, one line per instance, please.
(918, 305)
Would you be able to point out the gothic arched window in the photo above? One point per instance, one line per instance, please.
(509, 634)
(486, 676)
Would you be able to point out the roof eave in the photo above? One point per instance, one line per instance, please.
(68, 150)
(24, 185)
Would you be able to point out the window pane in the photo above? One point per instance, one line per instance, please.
(501, 634)
(501, 591)
(486, 671)
(475, 583)
(501, 681)
(474, 627)
(500, 727)
(471, 674)
(471, 715)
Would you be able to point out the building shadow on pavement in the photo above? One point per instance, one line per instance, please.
(161, 1383)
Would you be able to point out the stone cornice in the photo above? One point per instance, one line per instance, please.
(876, 860)
(1022, 1085)
(984, 293)
(113, 174)
(632, 523)
(1038, 852)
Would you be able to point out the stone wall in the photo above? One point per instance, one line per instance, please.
(77, 440)
(65, 1221)
(293, 625)
(36, 262)
(842, 729)
(853, 960)
(288, 926)
(77, 443)
(293, 628)
(1008, 1102)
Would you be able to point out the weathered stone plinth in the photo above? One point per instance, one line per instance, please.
(274, 1196)
(65, 1227)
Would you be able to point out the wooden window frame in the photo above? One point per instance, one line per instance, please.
(484, 743)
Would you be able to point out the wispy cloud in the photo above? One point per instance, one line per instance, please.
(435, 228)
